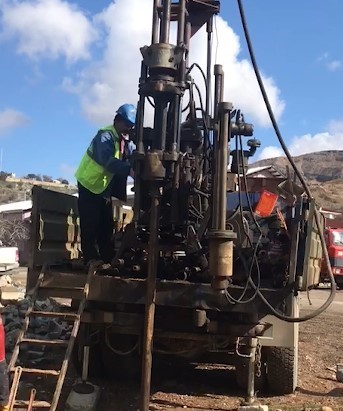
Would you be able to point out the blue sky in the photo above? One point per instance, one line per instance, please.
(67, 65)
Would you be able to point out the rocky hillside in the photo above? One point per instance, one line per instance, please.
(323, 172)
(321, 166)
(18, 191)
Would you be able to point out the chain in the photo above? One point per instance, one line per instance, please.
(258, 358)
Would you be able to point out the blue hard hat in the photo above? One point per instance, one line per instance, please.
(128, 113)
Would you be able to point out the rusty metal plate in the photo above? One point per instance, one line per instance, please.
(179, 294)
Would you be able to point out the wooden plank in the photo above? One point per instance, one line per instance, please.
(36, 404)
(39, 371)
(32, 341)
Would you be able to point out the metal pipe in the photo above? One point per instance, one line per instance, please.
(218, 88)
(209, 29)
(188, 34)
(176, 126)
(181, 35)
(14, 388)
(218, 97)
(155, 22)
(31, 399)
(223, 148)
(165, 23)
(139, 142)
(140, 111)
(150, 301)
(160, 123)
(175, 194)
(207, 117)
(251, 371)
(181, 22)
(85, 363)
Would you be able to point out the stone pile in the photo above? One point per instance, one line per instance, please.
(43, 328)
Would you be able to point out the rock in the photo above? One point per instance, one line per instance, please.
(5, 280)
(11, 339)
(339, 373)
(326, 409)
(13, 325)
(44, 305)
(35, 354)
(25, 302)
(11, 294)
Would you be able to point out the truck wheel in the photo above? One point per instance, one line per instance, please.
(281, 370)
(339, 282)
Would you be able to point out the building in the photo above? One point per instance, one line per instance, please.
(21, 212)
(265, 172)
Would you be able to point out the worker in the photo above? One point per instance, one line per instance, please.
(101, 175)
(4, 383)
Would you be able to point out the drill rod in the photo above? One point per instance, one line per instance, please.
(150, 302)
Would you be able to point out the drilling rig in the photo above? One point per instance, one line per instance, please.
(213, 260)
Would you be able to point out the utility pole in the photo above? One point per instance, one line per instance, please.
(1, 157)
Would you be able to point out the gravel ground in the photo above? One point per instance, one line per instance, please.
(212, 387)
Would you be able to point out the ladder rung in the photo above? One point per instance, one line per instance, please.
(36, 404)
(39, 371)
(51, 314)
(61, 287)
(33, 341)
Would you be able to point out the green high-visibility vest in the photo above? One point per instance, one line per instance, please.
(93, 176)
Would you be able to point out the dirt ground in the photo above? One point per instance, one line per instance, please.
(214, 387)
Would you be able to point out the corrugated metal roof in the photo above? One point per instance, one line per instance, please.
(253, 170)
(17, 206)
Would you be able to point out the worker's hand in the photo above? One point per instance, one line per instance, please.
(132, 173)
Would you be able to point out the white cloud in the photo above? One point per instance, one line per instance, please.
(112, 80)
(10, 119)
(47, 28)
(270, 152)
(332, 139)
(323, 56)
(334, 65)
(331, 65)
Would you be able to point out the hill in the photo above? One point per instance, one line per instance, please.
(320, 167)
(323, 172)
(11, 191)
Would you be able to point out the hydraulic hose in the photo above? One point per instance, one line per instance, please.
(302, 180)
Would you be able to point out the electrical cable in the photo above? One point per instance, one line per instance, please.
(206, 128)
(254, 256)
(119, 352)
(302, 180)
(202, 73)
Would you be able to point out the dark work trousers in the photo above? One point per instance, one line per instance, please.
(4, 389)
(96, 223)
(4, 384)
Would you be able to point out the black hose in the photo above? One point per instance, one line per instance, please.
(254, 260)
(302, 180)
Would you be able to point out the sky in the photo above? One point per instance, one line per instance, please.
(66, 66)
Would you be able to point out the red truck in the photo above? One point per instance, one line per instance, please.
(334, 242)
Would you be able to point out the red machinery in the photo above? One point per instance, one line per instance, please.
(334, 242)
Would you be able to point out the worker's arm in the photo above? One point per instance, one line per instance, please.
(103, 154)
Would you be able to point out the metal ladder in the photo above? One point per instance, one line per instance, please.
(69, 344)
